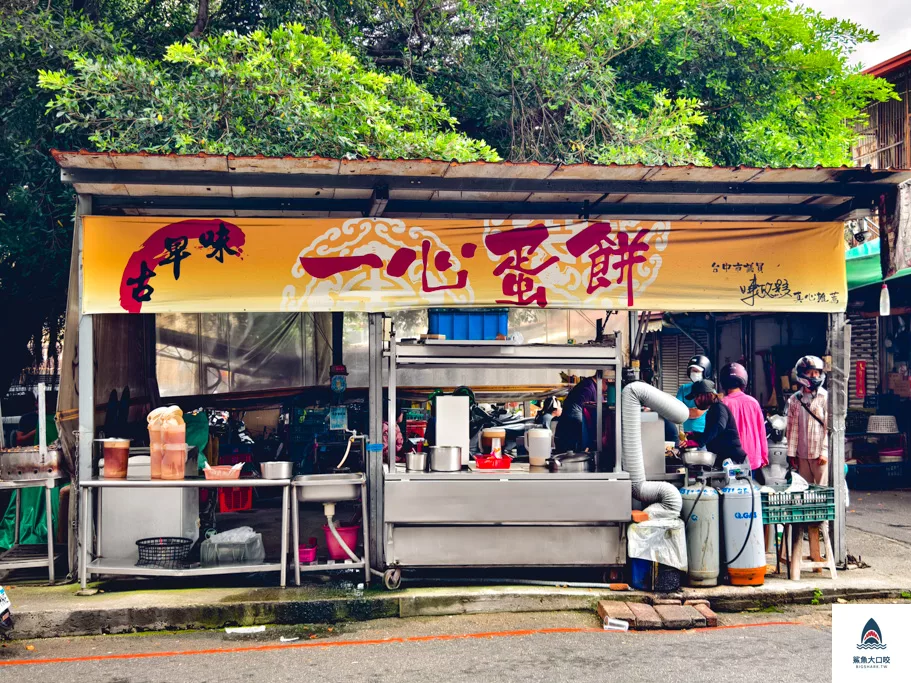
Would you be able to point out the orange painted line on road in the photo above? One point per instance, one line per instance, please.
(347, 643)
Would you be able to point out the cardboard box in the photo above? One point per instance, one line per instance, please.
(900, 385)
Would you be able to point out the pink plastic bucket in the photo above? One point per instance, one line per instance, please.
(307, 553)
(349, 535)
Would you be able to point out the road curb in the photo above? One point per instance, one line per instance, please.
(94, 619)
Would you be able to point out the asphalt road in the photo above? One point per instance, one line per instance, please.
(546, 647)
(885, 513)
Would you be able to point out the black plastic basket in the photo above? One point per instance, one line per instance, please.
(167, 552)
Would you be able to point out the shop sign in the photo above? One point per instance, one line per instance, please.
(173, 265)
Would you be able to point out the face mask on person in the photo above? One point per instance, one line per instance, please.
(696, 375)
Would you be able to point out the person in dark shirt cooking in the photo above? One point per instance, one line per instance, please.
(572, 432)
(721, 436)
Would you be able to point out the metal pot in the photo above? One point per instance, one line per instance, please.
(694, 457)
(278, 469)
(415, 462)
(445, 458)
(571, 462)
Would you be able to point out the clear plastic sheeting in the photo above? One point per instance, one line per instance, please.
(217, 353)
(659, 540)
(231, 352)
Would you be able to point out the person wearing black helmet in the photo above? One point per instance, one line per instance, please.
(720, 436)
(698, 369)
(807, 432)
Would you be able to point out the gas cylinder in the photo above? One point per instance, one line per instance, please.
(741, 518)
(703, 526)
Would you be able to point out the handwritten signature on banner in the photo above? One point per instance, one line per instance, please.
(523, 256)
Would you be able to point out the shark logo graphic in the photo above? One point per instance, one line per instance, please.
(872, 637)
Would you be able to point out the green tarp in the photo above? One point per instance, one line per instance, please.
(32, 524)
(864, 268)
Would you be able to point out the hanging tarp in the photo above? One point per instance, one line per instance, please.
(863, 265)
(153, 264)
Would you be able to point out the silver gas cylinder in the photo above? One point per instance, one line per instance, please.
(741, 514)
(703, 531)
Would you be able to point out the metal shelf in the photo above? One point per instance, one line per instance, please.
(188, 483)
(126, 567)
(442, 355)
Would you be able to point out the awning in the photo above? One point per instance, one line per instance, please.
(519, 234)
(863, 265)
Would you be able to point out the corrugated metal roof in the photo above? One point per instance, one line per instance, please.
(172, 184)
(890, 65)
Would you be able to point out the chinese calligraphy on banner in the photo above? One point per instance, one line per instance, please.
(146, 264)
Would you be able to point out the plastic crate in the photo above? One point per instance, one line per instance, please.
(878, 476)
(233, 457)
(814, 505)
(470, 323)
(235, 499)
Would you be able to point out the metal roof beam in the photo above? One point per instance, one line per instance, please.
(396, 207)
(852, 184)
(379, 201)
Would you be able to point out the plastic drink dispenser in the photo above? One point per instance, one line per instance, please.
(156, 441)
(174, 446)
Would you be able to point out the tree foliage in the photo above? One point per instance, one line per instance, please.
(273, 93)
(753, 82)
(35, 207)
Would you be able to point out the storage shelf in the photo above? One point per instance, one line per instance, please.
(188, 483)
(336, 566)
(126, 567)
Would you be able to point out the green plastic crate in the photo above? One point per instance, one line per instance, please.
(815, 505)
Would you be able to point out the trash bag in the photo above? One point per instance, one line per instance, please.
(658, 540)
(235, 546)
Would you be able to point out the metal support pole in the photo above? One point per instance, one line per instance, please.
(618, 387)
(599, 417)
(374, 463)
(392, 412)
(49, 520)
(840, 349)
(85, 384)
(285, 509)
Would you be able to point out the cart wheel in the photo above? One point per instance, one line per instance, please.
(392, 579)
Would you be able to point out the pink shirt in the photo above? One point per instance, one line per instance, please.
(750, 426)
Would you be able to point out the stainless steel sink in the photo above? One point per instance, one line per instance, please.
(328, 488)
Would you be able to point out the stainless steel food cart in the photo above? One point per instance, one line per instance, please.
(515, 517)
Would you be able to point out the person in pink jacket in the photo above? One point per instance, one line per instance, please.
(748, 415)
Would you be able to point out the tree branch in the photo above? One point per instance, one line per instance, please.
(202, 19)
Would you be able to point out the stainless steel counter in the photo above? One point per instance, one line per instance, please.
(93, 561)
(515, 517)
(188, 483)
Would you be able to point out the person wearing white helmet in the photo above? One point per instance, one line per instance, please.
(807, 432)
(699, 368)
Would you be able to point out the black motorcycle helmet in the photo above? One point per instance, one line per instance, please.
(806, 364)
(700, 363)
(733, 376)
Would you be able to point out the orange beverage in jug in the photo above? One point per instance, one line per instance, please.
(116, 455)
(156, 453)
(173, 463)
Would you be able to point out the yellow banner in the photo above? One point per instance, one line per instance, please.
(151, 264)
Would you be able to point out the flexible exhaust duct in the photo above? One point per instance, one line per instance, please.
(661, 497)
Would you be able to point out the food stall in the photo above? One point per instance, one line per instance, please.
(375, 236)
